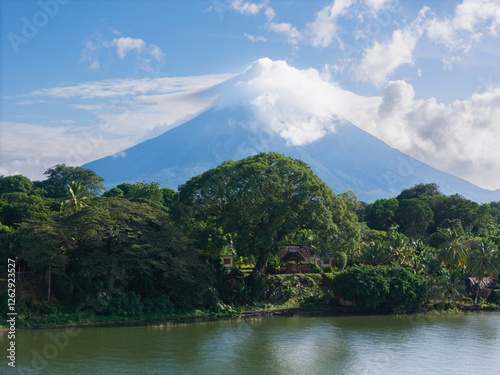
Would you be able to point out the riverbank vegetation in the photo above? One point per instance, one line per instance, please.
(138, 251)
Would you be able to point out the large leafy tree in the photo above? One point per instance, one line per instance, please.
(260, 201)
(420, 191)
(380, 214)
(414, 217)
(16, 208)
(15, 184)
(59, 176)
(140, 190)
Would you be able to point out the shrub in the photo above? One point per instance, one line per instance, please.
(380, 286)
(341, 260)
(158, 305)
(328, 269)
(314, 268)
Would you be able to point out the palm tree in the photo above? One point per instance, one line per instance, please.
(453, 252)
(453, 285)
(375, 253)
(399, 246)
(484, 261)
(76, 196)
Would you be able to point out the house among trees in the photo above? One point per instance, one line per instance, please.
(295, 259)
(298, 258)
(228, 260)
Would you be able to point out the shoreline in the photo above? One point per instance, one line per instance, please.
(286, 312)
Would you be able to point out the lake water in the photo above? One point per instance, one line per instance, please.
(459, 344)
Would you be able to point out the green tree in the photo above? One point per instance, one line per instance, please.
(44, 247)
(483, 261)
(381, 213)
(262, 200)
(472, 216)
(375, 253)
(16, 208)
(413, 217)
(114, 193)
(419, 191)
(59, 176)
(15, 184)
(142, 190)
(170, 197)
(453, 251)
(76, 195)
(116, 239)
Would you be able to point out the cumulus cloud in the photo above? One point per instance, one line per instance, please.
(125, 45)
(382, 59)
(323, 29)
(471, 21)
(301, 106)
(98, 47)
(247, 7)
(459, 138)
(293, 34)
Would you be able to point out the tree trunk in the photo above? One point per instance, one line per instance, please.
(50, 281)
(260, 266)
(477, 291)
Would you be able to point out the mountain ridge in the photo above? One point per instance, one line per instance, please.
(347, 159)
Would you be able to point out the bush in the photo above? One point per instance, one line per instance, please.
(328, 269)
(158, 305)
(370, 287)
(315, 268)
(341, 260)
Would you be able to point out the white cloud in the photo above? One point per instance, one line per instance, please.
(98, 47)
(473, 19)
(460, 138)
(95, 65)
(270, 13)
(377, 5)
(323, 29)
(125, 45)
(247, 7)
(30, 149)
(256, 38)
(126, 112)
(382, 59)
(293, 34)
(448, 63)
(111, 88)
(300, 105)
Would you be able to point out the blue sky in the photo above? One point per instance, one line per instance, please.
(85, 79)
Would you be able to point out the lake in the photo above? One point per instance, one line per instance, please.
(455, 344)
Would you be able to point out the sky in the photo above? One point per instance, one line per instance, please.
(81, 80)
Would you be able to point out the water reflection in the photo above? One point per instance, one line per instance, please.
(275, 345)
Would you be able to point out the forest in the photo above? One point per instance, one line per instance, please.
(138, 251)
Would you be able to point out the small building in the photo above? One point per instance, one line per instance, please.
(297, 258)
(228, 260)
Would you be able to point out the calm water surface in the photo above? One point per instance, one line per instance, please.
(468, 344)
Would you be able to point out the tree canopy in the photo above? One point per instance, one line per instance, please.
(260, 201)
(59, 176)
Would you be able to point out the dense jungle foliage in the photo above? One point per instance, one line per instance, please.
(138, 250)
